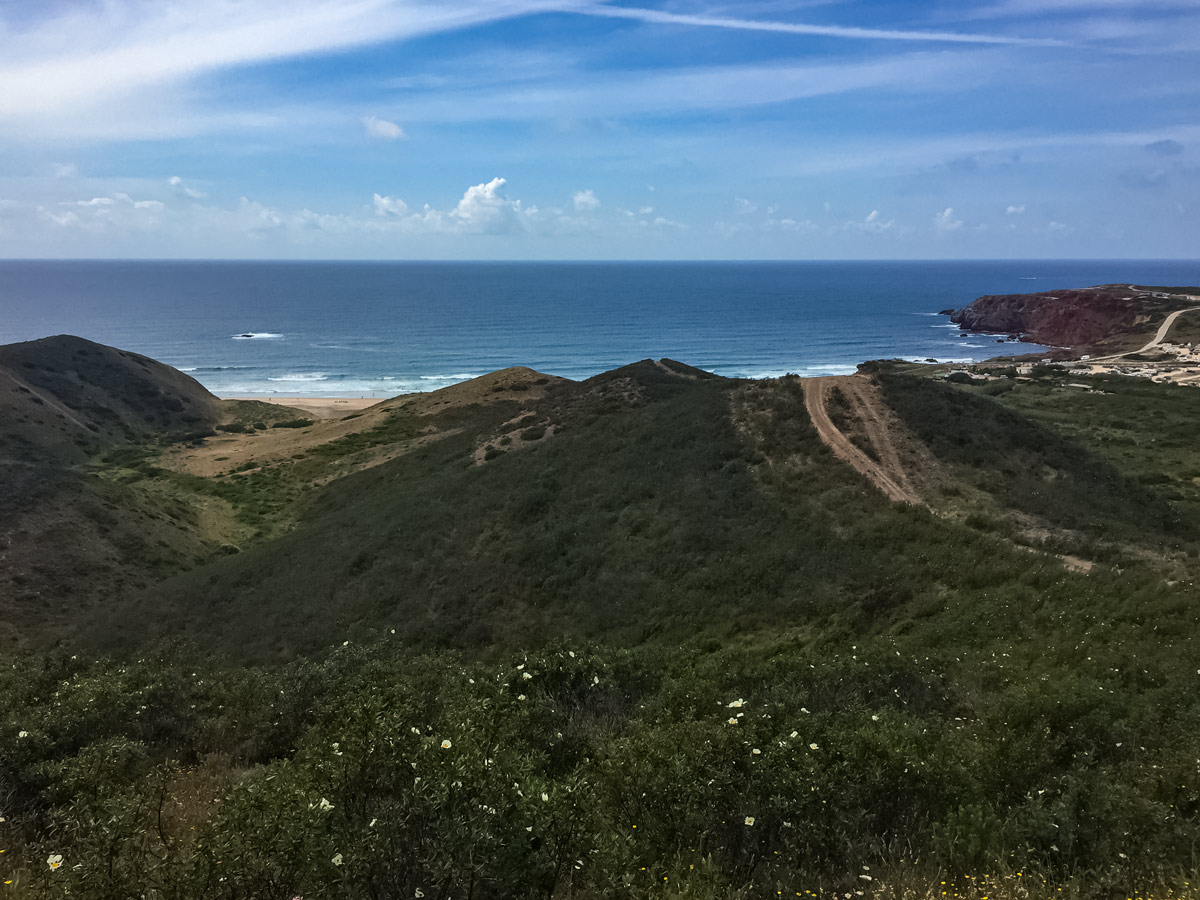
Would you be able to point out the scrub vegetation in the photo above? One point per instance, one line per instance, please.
(640, 636)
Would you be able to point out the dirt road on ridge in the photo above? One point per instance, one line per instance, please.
(887, 473)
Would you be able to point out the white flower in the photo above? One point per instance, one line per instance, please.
(419, 894)
(520, 667)
(756, 751)
(22, 734)
(571, 653)
(324, 805)
(866, 877)
(416, 730)
(526, 676)
(737, 704)
(336, 751)
(446, 745)
(371, 824)
(803, 710)
(795, 734)
(54, 861)
(732, 721)
(520, 696)
(812, 746)
(749, 820)
(595, 679)
(337, 859)
(545, 797)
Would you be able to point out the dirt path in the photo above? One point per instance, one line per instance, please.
(888, 473)
(1155, 341)
(662, 365)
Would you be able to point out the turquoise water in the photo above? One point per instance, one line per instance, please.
(352, 329)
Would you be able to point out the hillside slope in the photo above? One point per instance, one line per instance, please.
(77, 528)
(65, 398)
(643, 504)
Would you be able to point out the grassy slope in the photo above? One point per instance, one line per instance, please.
(647, 515)
(972, 704)
(79, 525)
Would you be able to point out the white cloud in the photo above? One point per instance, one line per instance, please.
(52, 64)
(836, 31)
(585, 201)
(872, 223)
(945, 221)
(64, 170)
(744, 207)
(1015, 210)
(645, 210)
(383, 129)
(183, 190)
(484, 209)
(389, 206)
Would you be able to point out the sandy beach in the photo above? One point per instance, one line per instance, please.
(320, 407)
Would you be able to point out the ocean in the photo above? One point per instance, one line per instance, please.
(380, 329)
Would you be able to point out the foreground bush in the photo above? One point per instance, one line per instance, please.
(768, 770)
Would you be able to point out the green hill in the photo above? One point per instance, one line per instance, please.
(642, 635)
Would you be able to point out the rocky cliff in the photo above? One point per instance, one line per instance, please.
(1068, 318)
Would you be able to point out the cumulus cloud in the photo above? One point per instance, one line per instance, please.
(389, 206)
(382, 129)
(945, 220)
(585, 201)
(117, 212)
(872, 223)
(485, 209)
(183, 190)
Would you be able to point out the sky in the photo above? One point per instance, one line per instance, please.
(585, 129)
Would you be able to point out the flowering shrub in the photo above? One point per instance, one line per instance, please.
(371, 774)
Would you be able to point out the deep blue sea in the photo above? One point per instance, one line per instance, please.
(354, 329)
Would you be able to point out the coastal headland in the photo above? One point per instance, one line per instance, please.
(1123, 329)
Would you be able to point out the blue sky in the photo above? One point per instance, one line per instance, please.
(572, 129)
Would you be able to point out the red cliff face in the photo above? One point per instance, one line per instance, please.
(1073, 318)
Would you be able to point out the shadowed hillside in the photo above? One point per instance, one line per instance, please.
(65, 398)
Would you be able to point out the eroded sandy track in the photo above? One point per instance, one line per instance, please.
(887, 473)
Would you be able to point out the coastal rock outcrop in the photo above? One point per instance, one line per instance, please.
(1074, 318)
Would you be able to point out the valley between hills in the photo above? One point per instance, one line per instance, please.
(658, 633)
